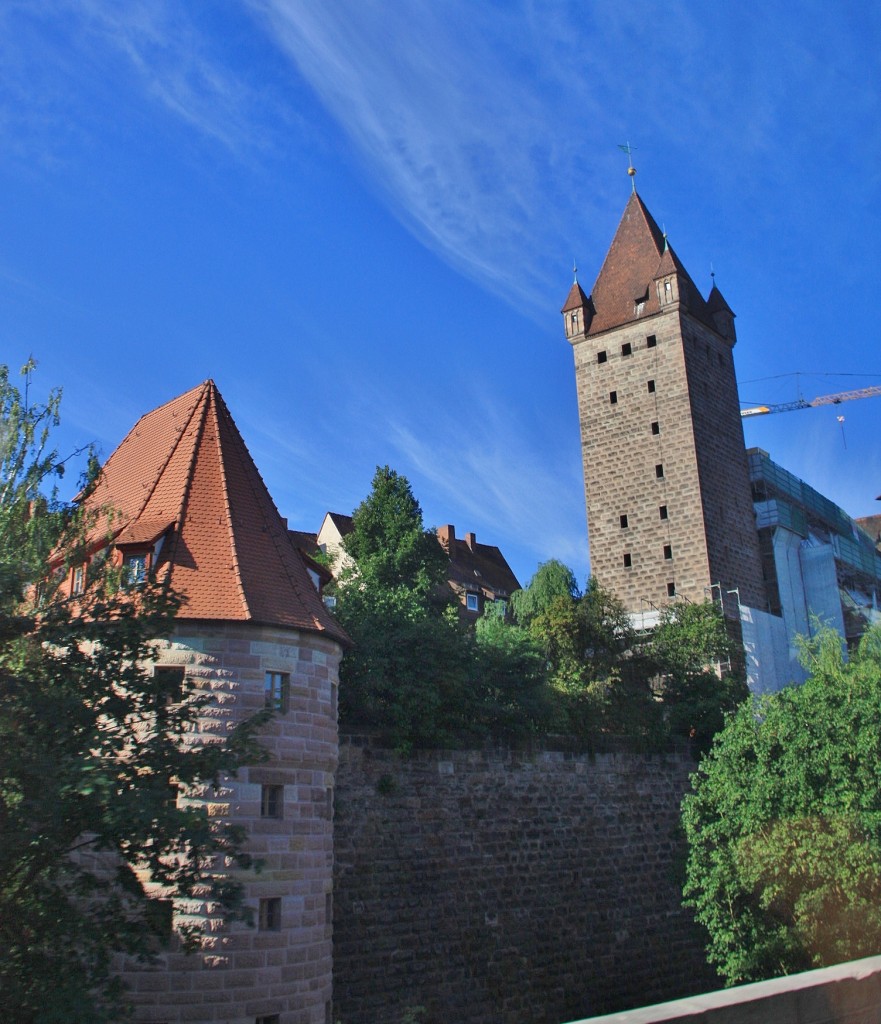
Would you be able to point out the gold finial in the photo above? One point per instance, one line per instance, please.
(631, 170)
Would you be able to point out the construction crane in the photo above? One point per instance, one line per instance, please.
(802, 403)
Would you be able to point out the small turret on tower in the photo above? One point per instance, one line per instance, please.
(577, 312)
(722, 314)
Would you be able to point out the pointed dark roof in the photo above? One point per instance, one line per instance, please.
(185, 472)
(576, 299)
(716, 302)
(639, 254)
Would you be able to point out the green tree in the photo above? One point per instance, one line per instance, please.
(510, 680)
(700, 678)
(389, 542)
(92, 752)
(408, 671)
(784, 822)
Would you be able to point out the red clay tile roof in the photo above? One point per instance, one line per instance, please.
(476, 567)
(575, 299)
(228, 553)
(638, 254)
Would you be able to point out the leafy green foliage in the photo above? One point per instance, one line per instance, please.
(416, 673)
(784, 822)
(696, 663)
(92, 756)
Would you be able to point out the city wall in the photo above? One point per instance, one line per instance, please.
(496, 887)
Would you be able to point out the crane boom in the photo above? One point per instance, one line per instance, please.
(801, 403)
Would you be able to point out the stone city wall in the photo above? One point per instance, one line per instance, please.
(499, 887)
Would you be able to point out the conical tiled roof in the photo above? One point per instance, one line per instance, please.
(639, 254)
(184, 472)
(576, 299)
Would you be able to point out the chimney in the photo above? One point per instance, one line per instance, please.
(447, 536)
(471, 540)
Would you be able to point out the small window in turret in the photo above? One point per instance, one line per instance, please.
(668, 291)
(573, 319)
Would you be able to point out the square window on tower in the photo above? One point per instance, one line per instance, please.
(659, 471)
(671, 590)
(613, 398)
(628, 561)
(651, 386)
(662, 511)
(668, 551)
(602, 356)
(626, 349)
(651, 341)
(656, 427)
(624, 523)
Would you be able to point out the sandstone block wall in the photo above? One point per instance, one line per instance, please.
(499, 888)
(247, 973)
(661, 392)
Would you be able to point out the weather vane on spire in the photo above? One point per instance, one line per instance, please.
(631, 170)
(575, 271)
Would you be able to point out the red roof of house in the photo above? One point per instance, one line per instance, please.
(639, 254)
(477, 567)
(185, 472)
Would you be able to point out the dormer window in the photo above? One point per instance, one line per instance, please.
(639, 307)
(573, 320)
(472, 603)
(668, 291)
(134, 567)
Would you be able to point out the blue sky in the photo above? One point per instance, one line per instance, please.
(359, 218)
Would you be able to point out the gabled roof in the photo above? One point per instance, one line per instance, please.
(477, 567)
(639, 254)
(184, 472)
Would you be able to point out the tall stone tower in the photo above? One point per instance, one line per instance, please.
(669, 507)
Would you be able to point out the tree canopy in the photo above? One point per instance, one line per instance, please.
(93, 754)
(784, 822)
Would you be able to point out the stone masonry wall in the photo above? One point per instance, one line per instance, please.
(642, 482)
(281, 968)
(500, 888)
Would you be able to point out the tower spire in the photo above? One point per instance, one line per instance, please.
(631, 170)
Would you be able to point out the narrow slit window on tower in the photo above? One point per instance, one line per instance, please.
(662, 511)
(626, 349)
(269, 916)
(573, 319)
(275, 690)
(651, 386)
(659, 471)
(624, 523)
(671, 590)
(656, 427)
(668, 551)
(628, 561)
(651, 341)
(613, 397)
(271, 801)
(602, 356)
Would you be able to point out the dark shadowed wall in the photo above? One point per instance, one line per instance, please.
(504, 888)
